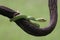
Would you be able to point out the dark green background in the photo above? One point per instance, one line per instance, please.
(36, 8)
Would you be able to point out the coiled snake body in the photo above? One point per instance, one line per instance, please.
(29, 27)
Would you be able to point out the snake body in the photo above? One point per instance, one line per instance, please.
(28, 26)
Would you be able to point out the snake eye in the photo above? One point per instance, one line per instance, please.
(36, 19)
(41, 19)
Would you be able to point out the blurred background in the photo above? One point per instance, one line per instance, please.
(36, 8)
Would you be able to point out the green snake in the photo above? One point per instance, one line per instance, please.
(30, 27)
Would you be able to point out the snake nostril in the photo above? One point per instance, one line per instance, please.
(15, 14)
